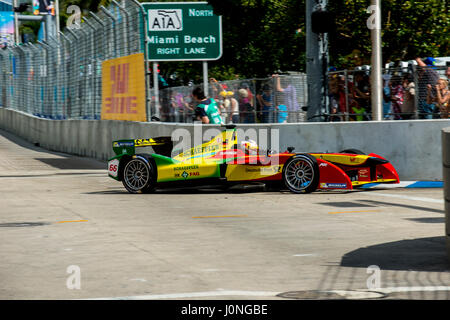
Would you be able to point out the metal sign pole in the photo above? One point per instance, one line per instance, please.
(377, 84)
(16, 24)
(205, 78)
(156, 88)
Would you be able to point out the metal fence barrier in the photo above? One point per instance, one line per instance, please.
(408, 93)
(61, 78)
(281, 99)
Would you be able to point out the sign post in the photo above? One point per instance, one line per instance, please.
(183, 31)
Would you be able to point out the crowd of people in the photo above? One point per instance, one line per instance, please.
(248, 101)
(419, 93)
(403, 98)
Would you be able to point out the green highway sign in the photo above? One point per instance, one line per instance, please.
(182, 31)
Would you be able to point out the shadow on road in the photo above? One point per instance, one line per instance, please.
(423, 254)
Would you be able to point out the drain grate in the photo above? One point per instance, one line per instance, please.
(22, 224)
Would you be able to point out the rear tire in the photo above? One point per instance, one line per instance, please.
(301, 174)
(139, 175)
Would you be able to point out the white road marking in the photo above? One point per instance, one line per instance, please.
(399, 196)
(141, 280)
(194, 295)
(379, 292)
(305, 255)
(349, 294)
(413, 289)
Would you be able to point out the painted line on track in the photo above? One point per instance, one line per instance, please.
(194, 295)
(227, 216)
(72, 221)
(406, 184)
(352, 294)
(399, 196)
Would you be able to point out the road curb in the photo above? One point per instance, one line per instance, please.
(408, 184)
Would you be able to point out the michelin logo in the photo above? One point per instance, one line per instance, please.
(165, 20)
(333, 185)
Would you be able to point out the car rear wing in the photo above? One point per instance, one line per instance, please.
(161, 145)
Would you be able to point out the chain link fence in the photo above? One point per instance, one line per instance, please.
(412, 92)
(61, 78)
(279, 99)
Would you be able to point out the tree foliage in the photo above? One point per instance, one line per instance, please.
(409, 29)
(264, 36)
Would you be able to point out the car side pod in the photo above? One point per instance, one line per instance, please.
(333, 177)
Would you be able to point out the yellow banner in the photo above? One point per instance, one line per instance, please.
(123, 88)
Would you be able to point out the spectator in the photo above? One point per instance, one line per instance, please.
(408, 107)
(397, 98)
(335, 97)
(387, 98)
(358, 111)
(447, 73)
(178, 106)
(290, 97)
(282, 112)
(442, 98)
(231, 107)
(362, 91)
(427, 77)
(266, 101)
(246, 109)
(207, 110)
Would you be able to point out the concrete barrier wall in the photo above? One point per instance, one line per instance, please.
(413, 147)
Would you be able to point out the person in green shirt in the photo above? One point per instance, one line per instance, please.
(207, 110)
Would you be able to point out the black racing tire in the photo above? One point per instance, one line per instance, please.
(139, 175)
(352, 151)
(301, 174)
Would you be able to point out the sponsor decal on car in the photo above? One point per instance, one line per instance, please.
(123, 144)
(185, 168)
(333, 185)
(264, 170)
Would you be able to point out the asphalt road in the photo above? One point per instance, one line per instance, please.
(67, 231)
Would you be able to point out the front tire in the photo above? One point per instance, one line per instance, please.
(138, 175)
(301, 174)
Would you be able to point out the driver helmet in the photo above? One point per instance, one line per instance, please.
(249, 146)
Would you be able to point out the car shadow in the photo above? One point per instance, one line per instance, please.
(422, 254)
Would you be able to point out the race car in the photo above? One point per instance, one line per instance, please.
(224, 161)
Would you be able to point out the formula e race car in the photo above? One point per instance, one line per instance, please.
(225, 162)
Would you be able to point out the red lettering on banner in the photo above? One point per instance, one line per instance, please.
(119, 76)
(121, 104)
